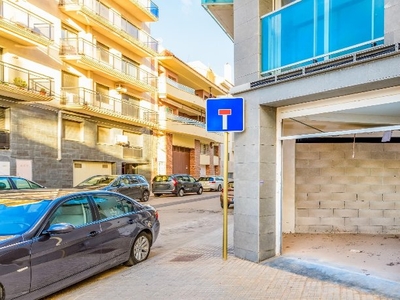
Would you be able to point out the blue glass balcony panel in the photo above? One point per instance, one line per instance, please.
(312, 30)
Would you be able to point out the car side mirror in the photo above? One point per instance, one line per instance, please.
(59, 228)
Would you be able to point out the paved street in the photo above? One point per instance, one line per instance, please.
(186, 263)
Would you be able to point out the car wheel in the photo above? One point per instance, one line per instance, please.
(157, 195)
(140, 250)
(200, 191)
(2, 292)
(145, 196)
(219, 188)
(180, 193)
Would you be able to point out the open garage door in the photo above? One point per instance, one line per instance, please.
(85, 169)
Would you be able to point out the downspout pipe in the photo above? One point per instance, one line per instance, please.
(59, 135)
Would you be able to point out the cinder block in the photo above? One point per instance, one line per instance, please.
(332, 204)
(383, 189)
(384, 205)
(302, 213)
(333, 188)
(307, 221)
(371, 180)
(357, 188)
(391, 229)
(390, 180)
(370, 229)
(344, 229)
(337, 155)
(308, 188)
(319, 196)
(369, 213)
(370, 163)
(309, 155)
(391, 196)
(345, 179)
(336, 171)
(357, 221)
(321, 213)
(369, 196)
(344, 196)
(357, 171)
(382, 221)
(307, 172)
(332, 221)
(391, 213)
(356, 204)
(320, 229)
(345, 213)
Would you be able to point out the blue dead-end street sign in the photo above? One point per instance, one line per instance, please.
(225, 114)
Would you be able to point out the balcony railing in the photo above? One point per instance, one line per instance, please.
(133, 152)
(311, 31)
(148, 5)
(106, 104)
(14, 77)
(116, 23)
(25, 24)
(186, 121)
(181, 86)
(103, 60)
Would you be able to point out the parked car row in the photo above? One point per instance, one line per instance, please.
(53, 238)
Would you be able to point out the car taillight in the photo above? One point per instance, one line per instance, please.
(156, 214)
(212, 181)
(175, 182)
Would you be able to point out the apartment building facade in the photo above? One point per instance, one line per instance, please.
(79, 90)
(320, 80)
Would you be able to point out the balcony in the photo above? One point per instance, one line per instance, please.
(82, 53)
(144, 10)
(25, 85)
(186, 126)
(222, 12)
(103, 18)
(133, 152)
(181, 93)
(324, 29)
(97, 104)
(23, 27)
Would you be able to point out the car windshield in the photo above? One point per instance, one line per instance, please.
(17, 216)
(97, 180)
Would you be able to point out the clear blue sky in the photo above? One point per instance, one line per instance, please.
(187, 30)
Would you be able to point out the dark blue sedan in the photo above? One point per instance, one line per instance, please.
(50, 239)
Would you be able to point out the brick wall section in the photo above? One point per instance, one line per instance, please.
(195, 159)
(338, 193)
(169, 152)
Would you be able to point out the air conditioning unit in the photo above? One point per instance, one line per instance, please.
(120, 88)
(122, 140)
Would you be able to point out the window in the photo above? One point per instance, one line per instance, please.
(75, 211)
(69, 80)
(104, 135)
(4, 128)
(111, 206)
(103, 53)
(102, 93)
(72, 130)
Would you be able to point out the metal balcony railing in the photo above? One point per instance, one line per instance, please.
(133, 152)
(115, 22)
(181, 86)
(186, 121)
(124, 108)
(20, 20)
(15, 76)
(102, 58)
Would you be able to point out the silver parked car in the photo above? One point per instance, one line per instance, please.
(212, 183)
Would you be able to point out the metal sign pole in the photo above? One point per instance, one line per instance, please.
(225, 199)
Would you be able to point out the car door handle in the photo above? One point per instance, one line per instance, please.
(93, 233)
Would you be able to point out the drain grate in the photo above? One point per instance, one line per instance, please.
(187, 257)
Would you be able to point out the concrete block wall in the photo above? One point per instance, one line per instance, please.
(338, 189)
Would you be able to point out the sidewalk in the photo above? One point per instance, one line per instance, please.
(197, 271)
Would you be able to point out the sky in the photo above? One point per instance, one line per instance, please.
(187, 30)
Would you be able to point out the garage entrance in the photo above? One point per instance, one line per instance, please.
(180, 160)
(85, 169)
